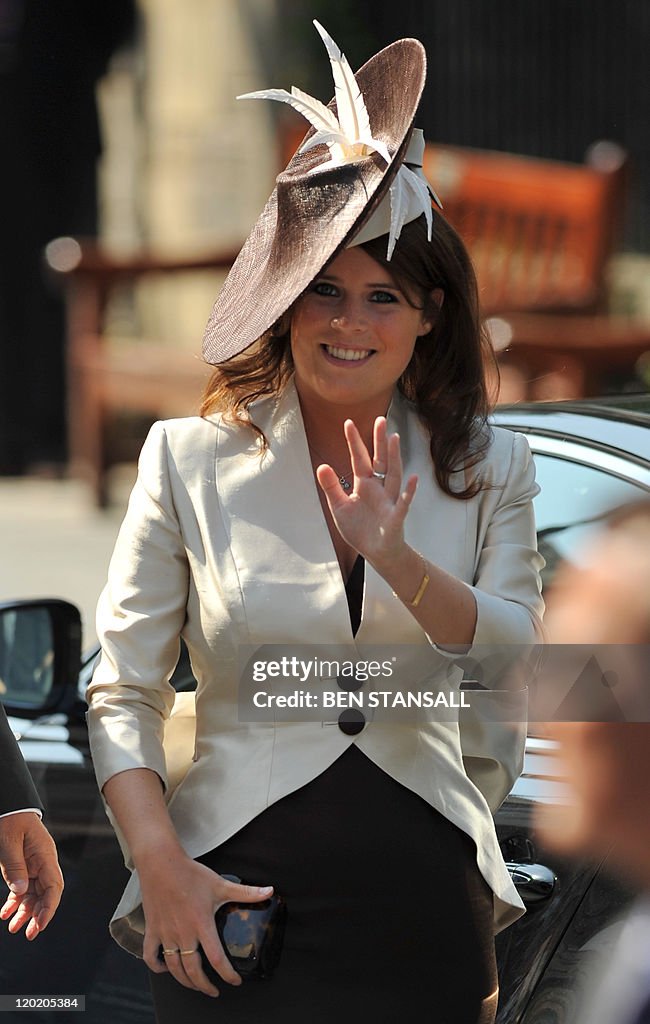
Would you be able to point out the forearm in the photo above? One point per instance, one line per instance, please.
(446, 608)
(137, 801)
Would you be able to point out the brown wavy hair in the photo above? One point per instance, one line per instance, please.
(445, 379)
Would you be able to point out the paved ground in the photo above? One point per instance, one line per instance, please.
(54, 543)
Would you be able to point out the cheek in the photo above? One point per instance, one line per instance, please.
(403, 338)
(299, 327)
(596, 761)
(593, 759)
(408, 350)
(297, 318)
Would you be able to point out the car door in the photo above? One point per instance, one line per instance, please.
(570, 904)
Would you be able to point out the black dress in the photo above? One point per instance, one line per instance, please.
(389, 917)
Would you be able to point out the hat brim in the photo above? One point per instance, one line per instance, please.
(312, 214)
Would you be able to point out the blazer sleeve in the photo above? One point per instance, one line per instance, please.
(17, 791)
(507, 583)
(140, 616)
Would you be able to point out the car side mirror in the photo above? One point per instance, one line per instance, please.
(40, 655)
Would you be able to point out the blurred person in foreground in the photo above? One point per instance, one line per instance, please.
(606, 600)
(27, 852)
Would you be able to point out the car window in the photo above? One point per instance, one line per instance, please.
(26, 656)
(572, 503)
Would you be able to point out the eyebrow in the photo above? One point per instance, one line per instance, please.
(368, 284)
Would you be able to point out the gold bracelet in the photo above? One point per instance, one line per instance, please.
(424, 583)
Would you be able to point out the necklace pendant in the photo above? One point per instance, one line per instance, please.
(345, 483)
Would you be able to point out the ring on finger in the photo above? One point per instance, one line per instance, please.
(167, 952)
(186, 952)
(378, 475)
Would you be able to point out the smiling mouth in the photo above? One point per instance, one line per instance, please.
(348, 355)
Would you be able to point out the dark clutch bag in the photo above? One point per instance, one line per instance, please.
(251, 935)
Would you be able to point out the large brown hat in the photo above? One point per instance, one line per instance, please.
(318, 204)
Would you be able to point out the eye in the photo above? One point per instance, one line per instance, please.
(383, 297)
(325, 288)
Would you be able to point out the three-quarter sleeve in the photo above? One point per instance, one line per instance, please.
(506, 582)
(507, 585)
(140, 616)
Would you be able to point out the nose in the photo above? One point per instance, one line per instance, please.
(351, 319)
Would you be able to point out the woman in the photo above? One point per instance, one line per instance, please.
(293, 511)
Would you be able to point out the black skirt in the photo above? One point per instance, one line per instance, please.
(388, 915)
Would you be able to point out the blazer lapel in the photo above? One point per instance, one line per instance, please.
(287, 571)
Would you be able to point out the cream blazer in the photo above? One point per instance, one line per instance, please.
(227, 548)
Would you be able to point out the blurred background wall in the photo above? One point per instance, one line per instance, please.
(187, 168)
(542, 78)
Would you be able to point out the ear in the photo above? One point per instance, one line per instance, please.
(437, 299)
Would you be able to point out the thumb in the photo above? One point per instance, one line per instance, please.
(15, 872)
(12, 858)
(238, 893)
(252, 893)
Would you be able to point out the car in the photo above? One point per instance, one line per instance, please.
(591, 457)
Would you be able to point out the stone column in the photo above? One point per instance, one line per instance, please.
(200, 165)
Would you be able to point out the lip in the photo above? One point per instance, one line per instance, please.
(347, 363)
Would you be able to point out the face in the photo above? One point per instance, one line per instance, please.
(607, 764)
(607, 601)
(353, 334)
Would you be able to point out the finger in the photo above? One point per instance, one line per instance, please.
(32, 931)
(408, 493)
(359, 455)
(403, 503)
(189, 959)
(380, 446)
(331, 487)
(158, 966)
(163, 957)
(394, 469)
(152, 954)
(20, 917)
(218, 959)
(51, 883)
(238, 893)
(10, 906)
(406, 497)
(176, 967)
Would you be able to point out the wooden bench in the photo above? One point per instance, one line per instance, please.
(542, 234)
(110, 378)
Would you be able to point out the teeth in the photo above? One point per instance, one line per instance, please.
(351, 354)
